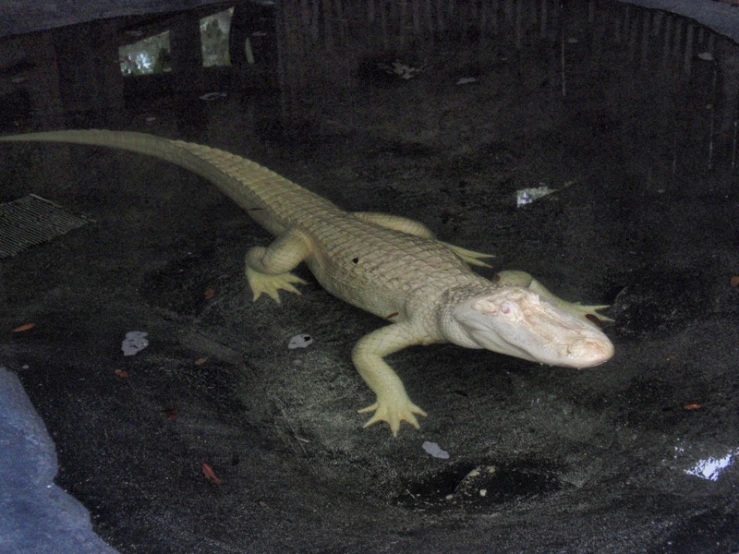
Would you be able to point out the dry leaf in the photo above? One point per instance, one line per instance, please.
(209, 293)
(734, 281)
(201, 361)
(122, 373)
(210, 474)
(692, 407)
(25, 327)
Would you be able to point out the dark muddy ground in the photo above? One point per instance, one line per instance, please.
(633, 456)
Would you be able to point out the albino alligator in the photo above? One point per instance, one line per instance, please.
(388, 265)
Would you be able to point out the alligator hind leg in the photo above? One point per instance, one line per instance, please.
(416, 229)
(526, 280)
(268, 269)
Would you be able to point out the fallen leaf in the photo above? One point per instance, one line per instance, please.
(210, 474)
(171, 414)
(201, 361)
(692, 407)
(209, 293)
(25, 327)
(122, 373)
(734, 281)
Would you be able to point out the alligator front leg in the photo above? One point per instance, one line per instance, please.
(268, 269)
(526, 280)
(393, 404)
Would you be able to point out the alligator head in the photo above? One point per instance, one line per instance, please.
(516, 321)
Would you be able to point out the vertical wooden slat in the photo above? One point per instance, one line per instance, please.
(688, 55)
(495, 17)
(735, 134)
(314, 26)
(657, 22)
(562, 41)
(646, 22)
(401, 23)
(678, 38)
(328, 32)
(711, 114)
(304, 14)
(484, 9)
(339, 11)
(518, 23)
(417, 17)
(383, 26)
(544, 18)
(633, 37)
(667, 42)
(282, 53)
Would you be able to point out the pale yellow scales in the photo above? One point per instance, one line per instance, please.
(388, 265)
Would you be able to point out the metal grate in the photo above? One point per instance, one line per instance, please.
(32, 220)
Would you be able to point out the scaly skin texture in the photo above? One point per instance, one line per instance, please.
(390, 266)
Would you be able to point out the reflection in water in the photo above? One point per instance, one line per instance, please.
(146, 57)
(711, 468)
(214, 31)
(153, 54)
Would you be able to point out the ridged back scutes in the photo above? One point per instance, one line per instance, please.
(254, 186)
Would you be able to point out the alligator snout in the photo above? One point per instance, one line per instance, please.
(590, 352)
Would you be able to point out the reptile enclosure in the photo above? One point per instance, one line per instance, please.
(219, 438)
